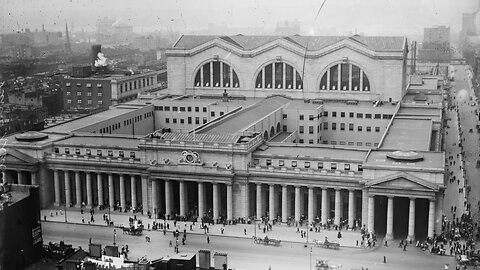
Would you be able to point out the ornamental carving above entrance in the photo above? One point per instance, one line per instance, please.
(190, 157)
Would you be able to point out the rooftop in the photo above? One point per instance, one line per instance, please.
(88, 139)
(14, 194)
(375, 43)
(409, 134)
(431, 160)
(316, 151)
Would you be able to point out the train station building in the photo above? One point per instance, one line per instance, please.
(322, 129)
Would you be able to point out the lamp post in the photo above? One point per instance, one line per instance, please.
(114, 234)
(155, 213)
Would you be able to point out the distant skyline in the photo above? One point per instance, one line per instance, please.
(371, 17)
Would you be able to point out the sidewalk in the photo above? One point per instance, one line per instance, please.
(282, 231)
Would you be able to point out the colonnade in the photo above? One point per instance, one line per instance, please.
(19, 176)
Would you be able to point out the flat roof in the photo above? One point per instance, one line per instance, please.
(315, 151)
(246, 117)
(91, 119)
(408, 134)
(98, 140)
(433, 98)
(434, 160)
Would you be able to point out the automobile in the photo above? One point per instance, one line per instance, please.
(478, 163)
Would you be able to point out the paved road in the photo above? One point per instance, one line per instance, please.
(244, 254)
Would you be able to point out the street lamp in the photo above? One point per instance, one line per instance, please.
(114, 234)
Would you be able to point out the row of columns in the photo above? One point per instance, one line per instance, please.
(89, 189)
(22, 177)
(201, 198)
(311, 204)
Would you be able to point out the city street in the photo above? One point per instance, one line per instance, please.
(243, 253)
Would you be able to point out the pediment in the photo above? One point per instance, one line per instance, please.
(12, 156)
(402, 181)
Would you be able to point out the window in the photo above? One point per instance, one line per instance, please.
(132, 154)
(310, 130)
(174, 108)
(359, 115)
(159, 108)
(320, 165)
(281, 163)
(387, 116)
(89, 85)
(342, 114)
(334, 114)
(174, 120)
(368, 115)
(307, 164)
(67, 151)
(378, 116)
(167, 120)
(301, 116)
(368, 144)
(342, 126)
(167, 108)
(100, 102)
(197, 109)
(359, 128)
(110, 153)
(360, 168)
(99, 85)
(220, 72)
(325, 113)
(182, 121)
(99, 152)
(68, 84)
(359, 143)
(79, 101)
(300, 129)
(121, 154)
(100, 94)
(189, 109)
(197, 120)
(350, 127)
(351, 114)
(333, 166)
(77, 151)
(300, 141)
(369, 129)
(325, 125)
(311, 117)
(286, 77)
(79, 85)
(88, 152)
(310, 141)
(352, 78)
(212, 114)
(256, 161)
(284, 116)
(189, 120)
(204, 109)
(294, 163)
(68, 93)
(346, 167)
(182, 109)
(204, 120)
(334, 126)
(268, 162)
(89, 94)
(57, 150)
(377, 129)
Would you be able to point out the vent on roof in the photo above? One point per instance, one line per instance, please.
(317, 101)
(352, 102)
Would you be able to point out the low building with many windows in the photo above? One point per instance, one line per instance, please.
(315, 129)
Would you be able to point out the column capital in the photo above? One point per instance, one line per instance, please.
(412, 198)
(284, 185)
(271, 185)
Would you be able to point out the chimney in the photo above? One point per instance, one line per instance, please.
(94, 54)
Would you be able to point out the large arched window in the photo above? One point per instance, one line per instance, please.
(345, 77)
(278, 75)
(216, 74)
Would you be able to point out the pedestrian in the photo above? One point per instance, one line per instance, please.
(386, 243)
(83, 220)
(245, 231)
(384, 259)
(89, 240)
(405, 247)
(208, 240)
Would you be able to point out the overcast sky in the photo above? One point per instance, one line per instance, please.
(394, 17)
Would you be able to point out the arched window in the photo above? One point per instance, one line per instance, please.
(345, 77)
(216, 74)
(278, 75)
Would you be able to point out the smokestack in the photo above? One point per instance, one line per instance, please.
(97, 48)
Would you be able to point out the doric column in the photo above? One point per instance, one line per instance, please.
(122, 192)
(439, 211)
(144, 188)
(246, 200)
(183, 206)
(154, 196)
(20, 177)
(201, 200)
(68, 196)
(215, 201)
(33, 176)
(324, 206)
(4, 176)
(311, 203)
(371, 213)
(389, 235)
(297, 204)
(337, 207)
(56, 183)
(229, 202)
(168, 200)
(431, 218)
(259, 200)
(100, 189)
(78, 190)
(364, 208)
(271, 202)
(88, 179)
(411, 220)
(133, 190)
(351, 208)
(284, 203)
(111, 192)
